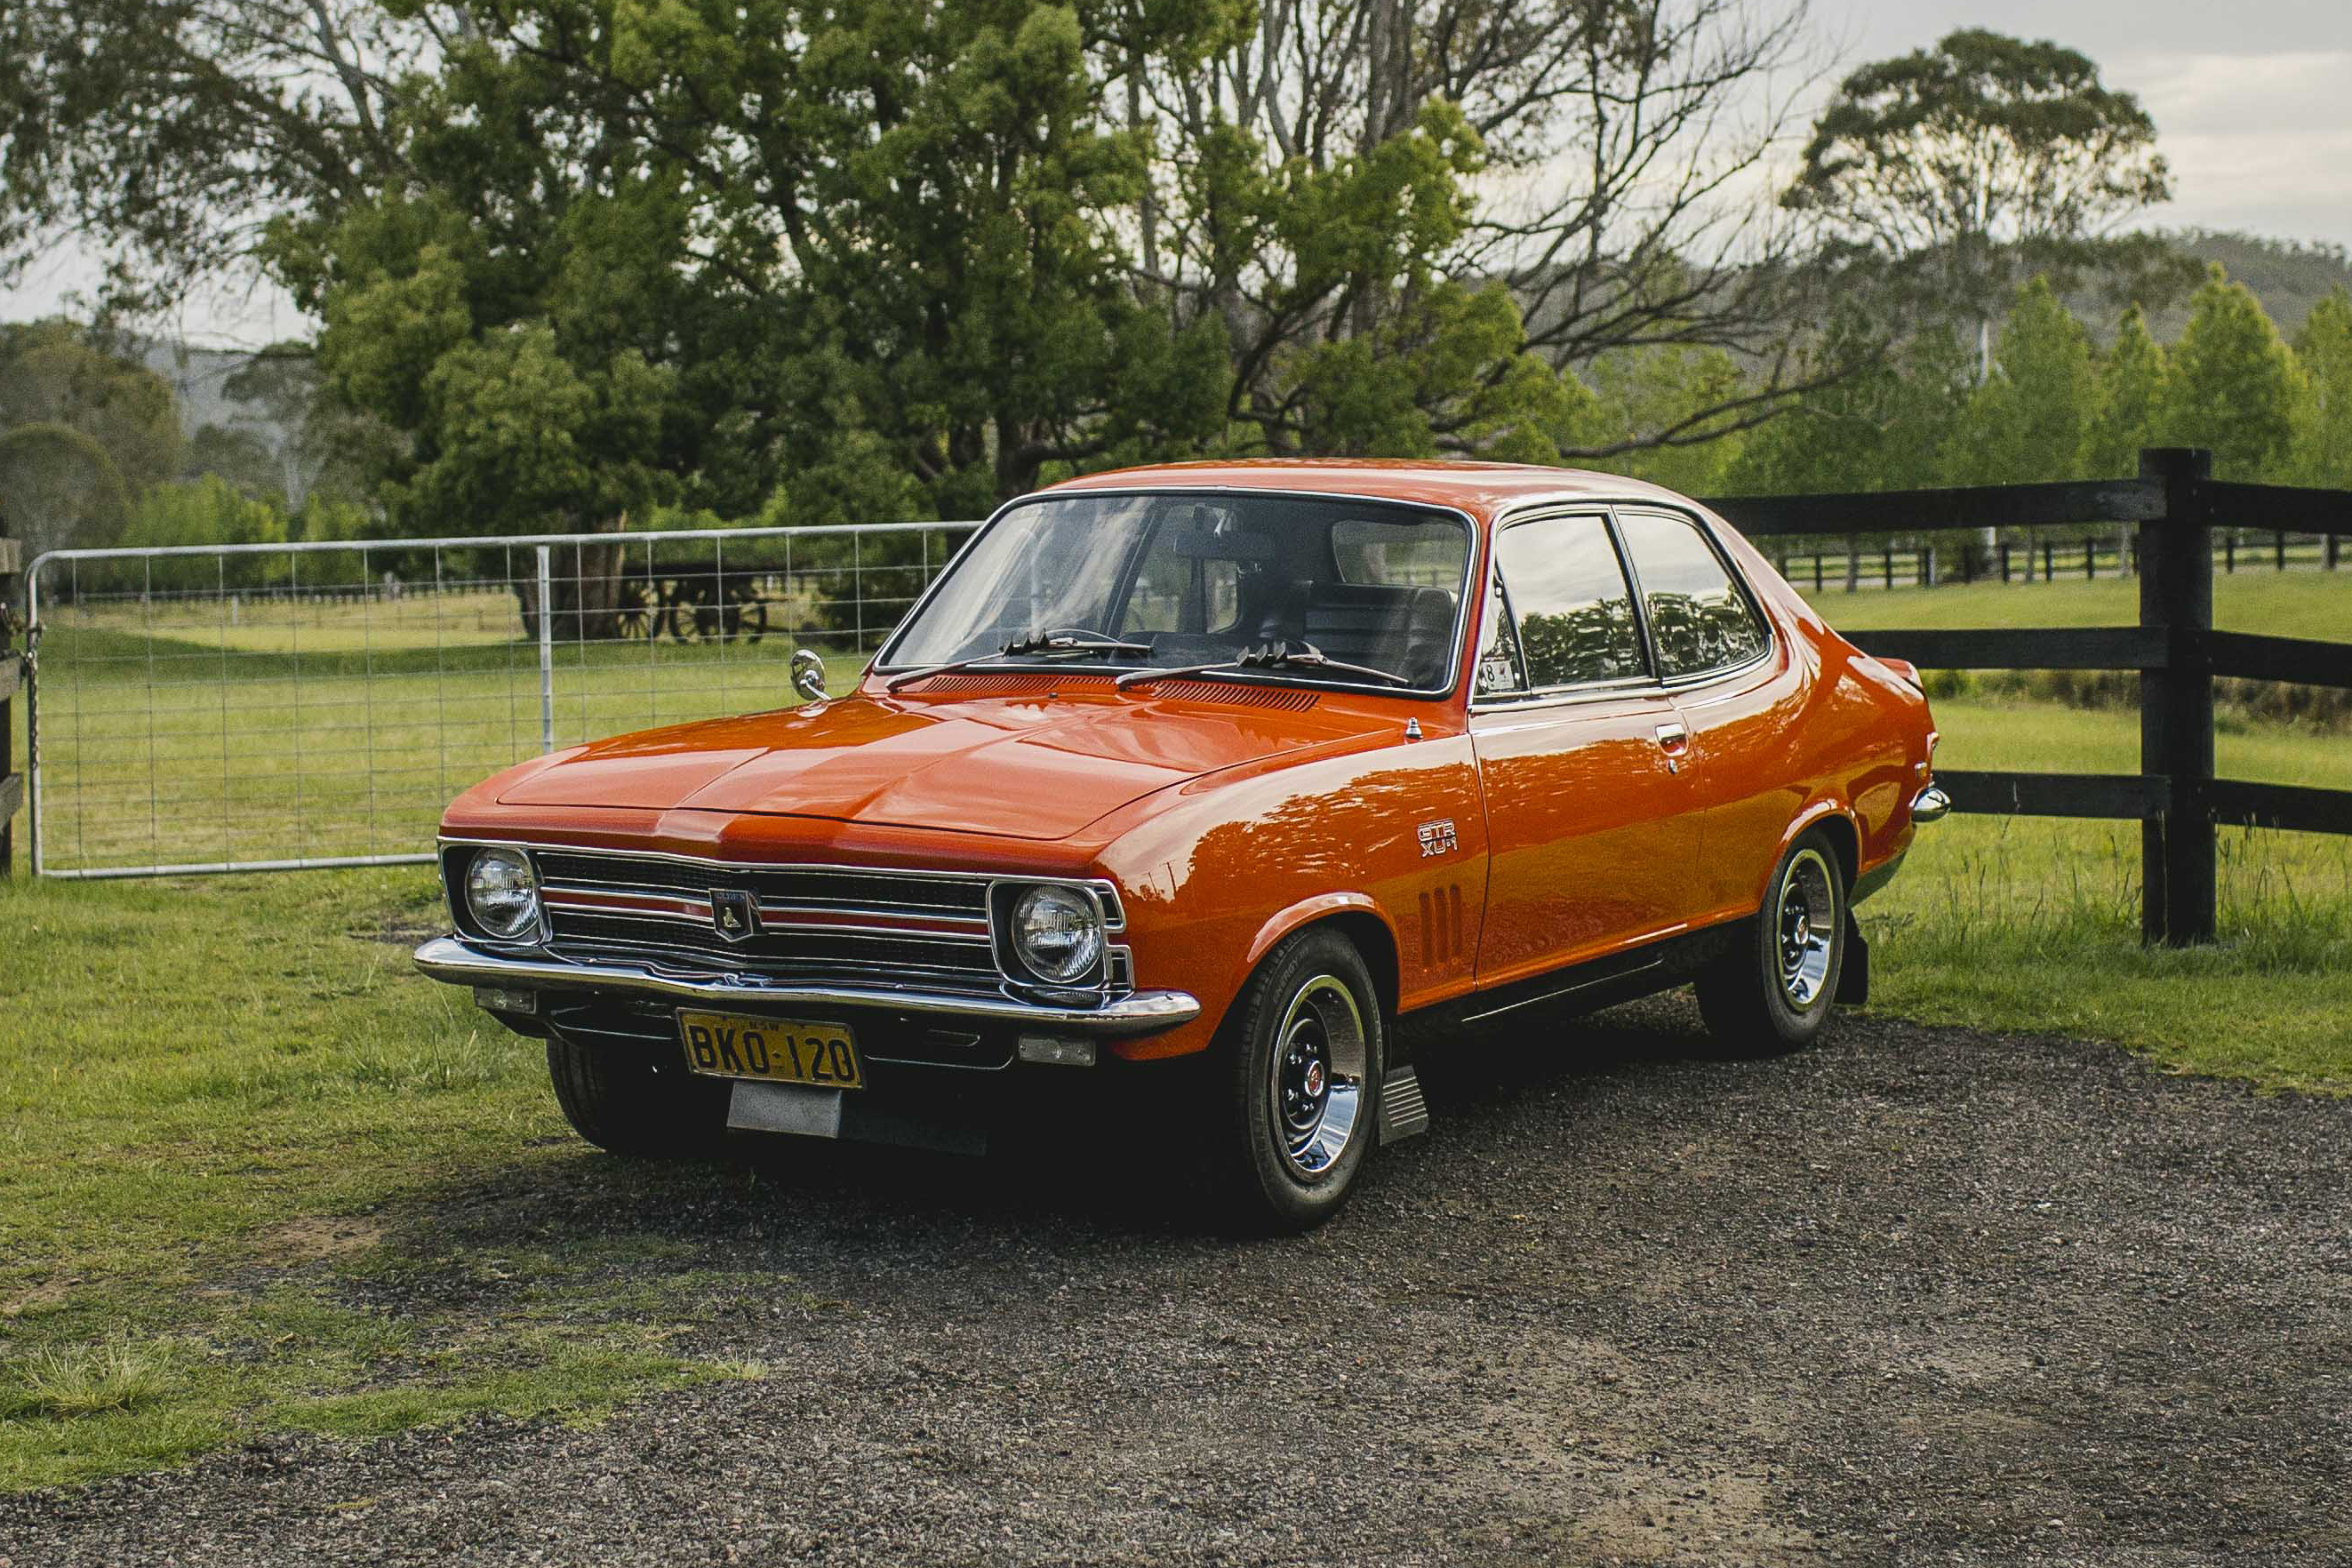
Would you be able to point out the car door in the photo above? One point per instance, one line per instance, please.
(1578, 753)
(1737, 693)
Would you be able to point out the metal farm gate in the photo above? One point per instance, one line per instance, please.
(266, 707)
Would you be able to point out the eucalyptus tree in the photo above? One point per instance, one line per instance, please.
(1984, 160)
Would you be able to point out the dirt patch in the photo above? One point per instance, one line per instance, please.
(310, 1240)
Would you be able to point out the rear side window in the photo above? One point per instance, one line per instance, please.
(1699, 619)
(1568, 591)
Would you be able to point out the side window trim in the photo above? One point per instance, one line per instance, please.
(1731, 570)
(1528, 692)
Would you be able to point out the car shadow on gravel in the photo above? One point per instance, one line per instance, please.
(1109, 1160)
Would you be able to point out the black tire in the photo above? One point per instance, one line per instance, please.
(1287, 1145)
(1774, 992)
(629, 1104)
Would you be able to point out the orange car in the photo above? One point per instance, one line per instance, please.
(1262, 765)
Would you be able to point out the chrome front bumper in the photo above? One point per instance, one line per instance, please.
(446, 958)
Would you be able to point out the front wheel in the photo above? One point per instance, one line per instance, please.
(1773, 991)
(1298, 1086)
(631, 1105)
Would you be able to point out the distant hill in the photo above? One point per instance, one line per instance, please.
(2287, 276)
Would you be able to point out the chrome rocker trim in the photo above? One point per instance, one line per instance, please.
(447, 959)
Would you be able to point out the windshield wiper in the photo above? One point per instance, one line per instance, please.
(1266, 656)
(1060, 642)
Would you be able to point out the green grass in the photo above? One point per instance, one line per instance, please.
(170, 745)
(259, 1175)
(2034, 923)
(2279, 603)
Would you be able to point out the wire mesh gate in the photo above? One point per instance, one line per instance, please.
(268, 707)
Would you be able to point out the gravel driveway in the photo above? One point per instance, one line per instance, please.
(1918, 1296)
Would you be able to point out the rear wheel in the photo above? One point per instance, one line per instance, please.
(1773, 991)
(1298, 1086)
(631, 1105)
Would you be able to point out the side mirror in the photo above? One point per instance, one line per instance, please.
(808, 675)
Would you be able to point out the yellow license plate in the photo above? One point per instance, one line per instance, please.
(782, 1050)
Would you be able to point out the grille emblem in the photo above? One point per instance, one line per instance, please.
(735, 913)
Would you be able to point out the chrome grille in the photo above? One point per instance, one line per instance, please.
(815, 923)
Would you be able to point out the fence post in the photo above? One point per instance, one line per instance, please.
(2281, 542)
(2049, 556)
(2178, 859)
(12, 786)
(547, 655)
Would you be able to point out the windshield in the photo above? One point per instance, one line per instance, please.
(1199, 579)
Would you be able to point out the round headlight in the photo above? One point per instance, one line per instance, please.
(501, 893)
(1057, 933)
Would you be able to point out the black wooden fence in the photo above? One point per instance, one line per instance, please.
(2174, 506)
(11, 675)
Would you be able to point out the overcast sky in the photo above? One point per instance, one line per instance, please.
(2252, 100)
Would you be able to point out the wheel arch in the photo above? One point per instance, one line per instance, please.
(1836, 820)
(1357, 917)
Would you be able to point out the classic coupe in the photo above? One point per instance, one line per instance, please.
(1234, 786)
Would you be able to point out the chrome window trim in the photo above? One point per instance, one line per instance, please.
(1650, 685)
(878, 664)
(1533, 694)
(1739, 582)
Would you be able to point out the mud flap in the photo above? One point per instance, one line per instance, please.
(1403, 1111)
(1854, 978)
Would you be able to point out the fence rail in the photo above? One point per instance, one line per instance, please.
(2173, 508)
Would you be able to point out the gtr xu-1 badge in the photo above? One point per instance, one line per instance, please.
(1437, 837)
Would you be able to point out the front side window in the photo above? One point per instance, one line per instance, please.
(1568, 591)
(1699, 620)
(1196, 578)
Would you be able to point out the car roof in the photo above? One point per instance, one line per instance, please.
(1484, 490)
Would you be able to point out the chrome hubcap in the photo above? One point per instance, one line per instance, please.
(1318, 1082)
(1805, 924)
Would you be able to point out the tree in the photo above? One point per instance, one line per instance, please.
(2323, 447)
(1314, 181)
(1984, 157)
(2234, 386)
(1884, 428)
(2027, 421)
(169, 133)
(83, 432)
(2134, 388)
(1663, 388)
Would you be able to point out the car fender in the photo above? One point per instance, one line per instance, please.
(1306, 912)
(1817, 811)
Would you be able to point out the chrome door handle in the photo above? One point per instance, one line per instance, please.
(1674, 738)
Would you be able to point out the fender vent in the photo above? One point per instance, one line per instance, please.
(1019, 684)
(1236, 696)
(1441, 926)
